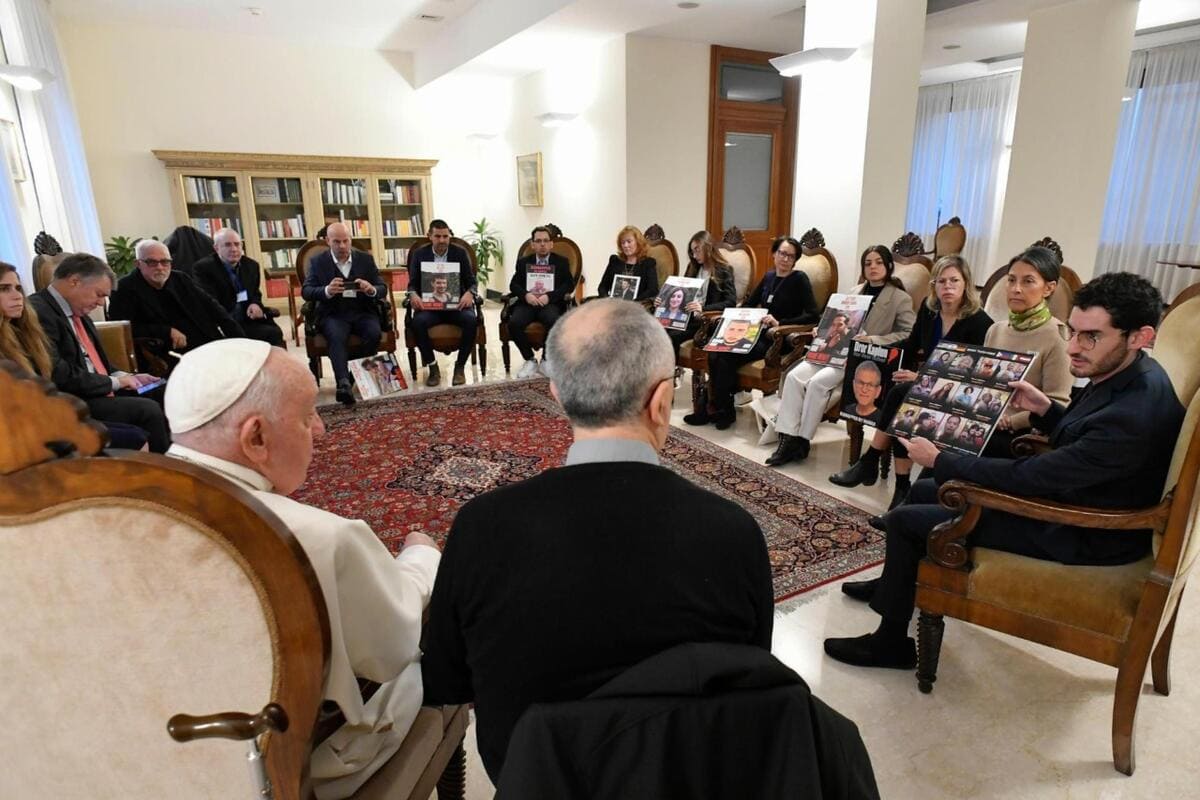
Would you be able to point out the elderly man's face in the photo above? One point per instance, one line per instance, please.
(735, 330)
(291, 434)
(155, 264)
(229, 246)
(866, 387)
(441, 240)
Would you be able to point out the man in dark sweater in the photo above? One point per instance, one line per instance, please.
(621, 560)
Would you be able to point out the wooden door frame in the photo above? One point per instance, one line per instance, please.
(722, 111)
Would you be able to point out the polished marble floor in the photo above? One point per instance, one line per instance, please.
(1006, 719)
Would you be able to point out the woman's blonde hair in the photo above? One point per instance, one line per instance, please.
(22, 339)
(970, 302)
(639, 237)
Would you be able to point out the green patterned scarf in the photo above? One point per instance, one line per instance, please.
(1030, 320)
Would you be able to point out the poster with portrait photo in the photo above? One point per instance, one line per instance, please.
(625, 287)
(967, 387)
(843, 317)
(377, 376)
(737, 331)
(673, 299)
(539, 278)
(440, 284)
(867, 380)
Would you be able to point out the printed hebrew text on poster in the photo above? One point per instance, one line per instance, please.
(737, 331)
(959, 396)
(841, 322)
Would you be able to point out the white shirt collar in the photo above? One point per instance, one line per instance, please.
(235, 472)
(62, 301)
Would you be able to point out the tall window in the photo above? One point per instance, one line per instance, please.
(960, 161)
(1152, 214)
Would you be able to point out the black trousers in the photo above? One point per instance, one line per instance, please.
(679, 337)
(264, 330)
(141, 412)
(523, 315)
(723, 367)
(337, 330)
(422, 321)
(908, 528)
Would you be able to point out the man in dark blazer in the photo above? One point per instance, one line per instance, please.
(665, 564)
(234, 279)
(440, 250)
(1111, 449)
(530, 305)
(81, 283)
(344, 284)
(167, 306)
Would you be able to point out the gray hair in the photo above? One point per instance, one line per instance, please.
(143, 245)
(266, 395)
(225, 233)
(605, 359)
(84, 266)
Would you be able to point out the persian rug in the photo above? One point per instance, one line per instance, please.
(407, 463)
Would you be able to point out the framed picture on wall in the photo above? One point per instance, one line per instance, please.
(10, 143)
(529, 179)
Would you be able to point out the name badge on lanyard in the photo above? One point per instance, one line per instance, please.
(770, 298)
(243, 296)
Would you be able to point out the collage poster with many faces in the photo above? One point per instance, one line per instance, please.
(959, 396)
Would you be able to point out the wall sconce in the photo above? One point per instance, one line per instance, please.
(29, 78)
(795, 63)
(556, 119)
(482, 135)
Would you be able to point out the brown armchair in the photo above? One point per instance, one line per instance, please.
(536, 332)
(950, 238)
(314, 341)
(445, 338)
(666, 257)
(1123, 616)
(741, 259)
(996, 304)
(186, 595)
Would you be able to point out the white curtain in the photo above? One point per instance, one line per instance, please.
(51, 129)
(13, 245)
(1153, 209)
(960, 158)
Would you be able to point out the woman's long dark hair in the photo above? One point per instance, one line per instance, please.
(718, 268)
(888, 261)
(22, 339)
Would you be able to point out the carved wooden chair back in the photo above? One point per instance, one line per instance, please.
(950, 238)
(819, 264)
(740, 257)
(912, 267)
(568, 249)
(1123, 616)
(995, 297)
(174, 591)
(662, 250)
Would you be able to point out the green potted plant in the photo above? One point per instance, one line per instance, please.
(119, 251)
(489, 251)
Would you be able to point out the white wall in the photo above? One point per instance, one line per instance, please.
(139, 89)
(666, 84)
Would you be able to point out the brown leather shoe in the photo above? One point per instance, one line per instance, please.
(434, 377)
(459, 377)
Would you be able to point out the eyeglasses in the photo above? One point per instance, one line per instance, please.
(785, 255)
(865, 385)
(156, 262)
(1087, 339)
(948, 281)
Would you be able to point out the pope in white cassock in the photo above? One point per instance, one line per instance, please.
(248, 411)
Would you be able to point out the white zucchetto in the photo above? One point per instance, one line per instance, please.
(210, 379)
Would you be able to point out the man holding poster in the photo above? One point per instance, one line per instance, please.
(540, 285)
(437, 273)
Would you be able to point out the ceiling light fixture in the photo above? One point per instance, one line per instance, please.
(556, 119)
(795, 63)
(688, 6)
(951, 46)
(29, 78)
(430, 18)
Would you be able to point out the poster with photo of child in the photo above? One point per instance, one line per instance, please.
(868, 380)
(959, 396)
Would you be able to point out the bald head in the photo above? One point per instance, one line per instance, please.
(337, 236)
(605, 358)
(228, 245)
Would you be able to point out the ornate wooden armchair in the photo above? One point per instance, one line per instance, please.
(996, 304)
(950, 238)
(1113, 615)
(314, 341)
(172, 590)
(445, 338)
(47, 254)
(741, 258)
(666, 257)
(116, 339)
(536, 332)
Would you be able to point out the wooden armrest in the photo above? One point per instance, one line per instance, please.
(946, 542)
(1031, 444)
(228, 725)
(796, 336)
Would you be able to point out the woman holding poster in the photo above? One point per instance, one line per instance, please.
(808, 390)
(706, 263)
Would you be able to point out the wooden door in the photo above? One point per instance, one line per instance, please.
(752, 149)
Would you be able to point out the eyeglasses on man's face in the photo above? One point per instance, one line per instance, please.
(1087, 339)
(156, 262)
(785, 255)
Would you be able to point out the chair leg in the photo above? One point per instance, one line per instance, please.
(314, 365)
(482, 360)
(885, 463)
(929, 648)
(412, 363)
(1130, 677)
(1160, 659)
(504, 354)
(453, 783)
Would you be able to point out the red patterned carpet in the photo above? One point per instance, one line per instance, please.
(408, 463)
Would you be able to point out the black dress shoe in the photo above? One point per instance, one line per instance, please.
(871, 651)
(863, 472)
(345, 393)
(860, 590)
(697, 418)
(877, 523)
(723, 420)
(780, 455)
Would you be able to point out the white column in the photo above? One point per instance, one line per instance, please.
(1068, 110)
(854, 144)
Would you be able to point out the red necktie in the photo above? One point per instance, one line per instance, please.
(90, 347)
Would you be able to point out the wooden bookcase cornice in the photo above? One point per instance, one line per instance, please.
(265, 161)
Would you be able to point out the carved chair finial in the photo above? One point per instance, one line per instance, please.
(41, 424)
(555, 231)
(812, 239)
(46, 245)
(908, 245)
(1050, 245)
(734, 236)
(655, 234)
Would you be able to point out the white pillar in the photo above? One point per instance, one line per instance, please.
(854, 144)
(1068, 110)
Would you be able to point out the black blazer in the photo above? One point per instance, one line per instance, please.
(646, 269)
(791, 301)
(142, 304)
(69, 370)
(322, 270)
(719, 296)
(681, 725)
(466, 276)
(210, 274)
(564, 281)
(919, 344)
(1112, 449)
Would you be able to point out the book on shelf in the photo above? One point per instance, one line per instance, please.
(398, 227)
(276, 190)
(399, 192)
(207, 190)
(287, 228)
(344, 193)
(283, 258)
(210, 225)
(396, 256)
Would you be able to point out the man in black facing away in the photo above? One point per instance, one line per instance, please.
(234, 280)
(1112, 448)
(547, 606)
